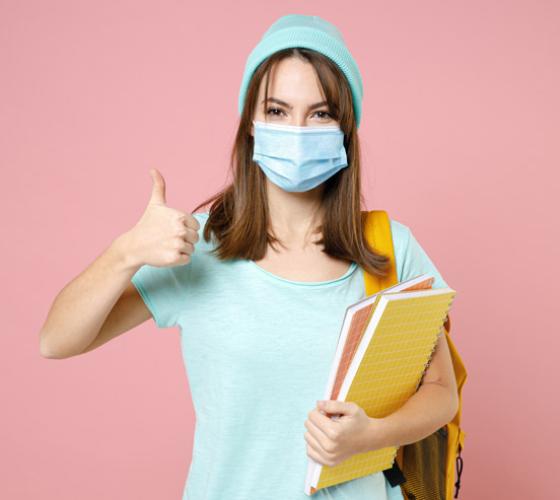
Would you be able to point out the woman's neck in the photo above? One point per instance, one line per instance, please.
(294, 216)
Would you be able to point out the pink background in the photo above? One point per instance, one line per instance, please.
(460, 142)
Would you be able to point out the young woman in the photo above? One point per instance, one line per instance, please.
(280, 254)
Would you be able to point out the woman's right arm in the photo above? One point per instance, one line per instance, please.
(101, 302)
(96, 306)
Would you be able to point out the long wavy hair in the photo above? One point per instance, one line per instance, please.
(239, 217)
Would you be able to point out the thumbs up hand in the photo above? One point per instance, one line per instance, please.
(164, 236)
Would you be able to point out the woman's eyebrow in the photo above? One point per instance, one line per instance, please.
(283, 103)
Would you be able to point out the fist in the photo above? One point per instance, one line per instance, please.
(164, 236)
(331, 440)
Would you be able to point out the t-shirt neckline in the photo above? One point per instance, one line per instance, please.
(351, 268)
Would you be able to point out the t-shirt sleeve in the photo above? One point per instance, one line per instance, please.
(164, 289)
(411, 259)
(161, 288)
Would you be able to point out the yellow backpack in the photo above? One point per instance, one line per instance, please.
(431, 467)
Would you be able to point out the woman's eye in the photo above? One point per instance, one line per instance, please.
(274, 111)
(324, 114)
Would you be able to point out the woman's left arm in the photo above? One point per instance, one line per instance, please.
(433, 405)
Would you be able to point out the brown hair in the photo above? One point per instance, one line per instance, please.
(239, 215)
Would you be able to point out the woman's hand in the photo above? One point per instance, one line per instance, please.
(331, 441)
(164, 236)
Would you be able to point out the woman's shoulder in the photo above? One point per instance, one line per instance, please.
(400, 232)
(410, 256)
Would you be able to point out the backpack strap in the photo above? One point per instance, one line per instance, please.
(377, 228)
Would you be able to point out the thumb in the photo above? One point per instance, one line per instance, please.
(334, 407)
(158, 187)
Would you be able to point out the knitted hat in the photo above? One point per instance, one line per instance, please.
(313, 32)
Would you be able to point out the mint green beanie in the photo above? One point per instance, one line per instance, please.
(313, 32)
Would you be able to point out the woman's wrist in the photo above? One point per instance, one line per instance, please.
(122, 258)
(379, 434)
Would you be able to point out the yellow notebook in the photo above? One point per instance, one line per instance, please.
(384, 348)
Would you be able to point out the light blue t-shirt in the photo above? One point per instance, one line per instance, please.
(257, 350)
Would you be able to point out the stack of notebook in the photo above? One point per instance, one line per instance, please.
(384, 347)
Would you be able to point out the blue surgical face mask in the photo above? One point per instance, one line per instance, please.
(298, 158)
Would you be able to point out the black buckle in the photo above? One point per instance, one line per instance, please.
(459, 466)
(394, 475)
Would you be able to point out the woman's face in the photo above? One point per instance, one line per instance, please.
(294, 96)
